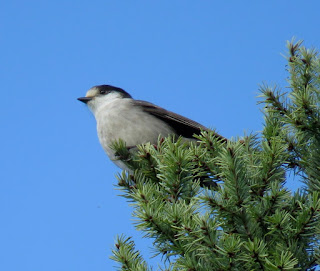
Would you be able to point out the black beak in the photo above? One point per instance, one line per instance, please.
(85, 99)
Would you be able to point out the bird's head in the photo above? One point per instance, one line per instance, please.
(98, 96)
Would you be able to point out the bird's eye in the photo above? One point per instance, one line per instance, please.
(102, 91)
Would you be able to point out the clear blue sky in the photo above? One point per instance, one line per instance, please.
(203, 59)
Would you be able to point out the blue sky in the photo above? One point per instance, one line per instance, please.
(203, 59)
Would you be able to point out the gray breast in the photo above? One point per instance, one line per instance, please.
(121, 120)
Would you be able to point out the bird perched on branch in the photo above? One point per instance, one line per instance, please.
(136, 122)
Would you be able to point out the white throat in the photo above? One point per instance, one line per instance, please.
(99, 103)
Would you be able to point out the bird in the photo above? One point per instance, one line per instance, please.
(135, 122)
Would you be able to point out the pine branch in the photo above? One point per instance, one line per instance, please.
(129, 258)
(247, 219)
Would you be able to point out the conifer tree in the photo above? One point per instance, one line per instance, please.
(249, 219)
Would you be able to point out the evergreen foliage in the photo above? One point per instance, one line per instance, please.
(248, 220)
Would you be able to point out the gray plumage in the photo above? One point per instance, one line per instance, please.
(136, 122)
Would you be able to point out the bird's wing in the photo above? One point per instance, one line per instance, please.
(182, 125)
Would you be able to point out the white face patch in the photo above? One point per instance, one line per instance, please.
(101, 101)
(92, 92)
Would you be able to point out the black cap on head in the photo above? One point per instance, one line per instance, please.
(105, 89)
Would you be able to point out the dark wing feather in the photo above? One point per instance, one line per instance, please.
(182, 125)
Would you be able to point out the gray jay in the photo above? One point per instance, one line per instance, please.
(136, 122)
